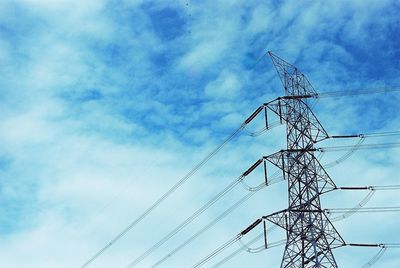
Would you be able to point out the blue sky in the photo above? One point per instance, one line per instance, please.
(105, 104)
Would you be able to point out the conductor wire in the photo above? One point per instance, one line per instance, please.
(164, 196)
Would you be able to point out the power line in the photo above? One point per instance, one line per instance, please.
(205, 228)
(272, 181)
(382, 134)
(166, 194)
(353, 148)
(216, 220)
(385, 187)
(217, 251)
(251, 242)
(185, 223)
(346, 155)
(359, 147)
(346, 212)
(197, 213)
(383, 247)
(355, 209)
(363, 210)
(375, 258)
(342, 93)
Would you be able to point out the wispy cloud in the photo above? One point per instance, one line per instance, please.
(106, 104)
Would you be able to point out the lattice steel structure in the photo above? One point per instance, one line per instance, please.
(310, 234)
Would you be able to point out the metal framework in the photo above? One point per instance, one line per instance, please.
(310, 234)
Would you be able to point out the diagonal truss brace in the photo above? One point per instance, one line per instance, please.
(328, 240)
(280, 159)
(284, 107)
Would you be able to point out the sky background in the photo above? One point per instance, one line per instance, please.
(106, 104)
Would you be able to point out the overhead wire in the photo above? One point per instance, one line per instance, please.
(362, 210)
(366, 199)
(349, 212)
(329, 211)
(385, 187)
(263, 130)
(375, 258)
(188, 220)
(230, 243)
(359, 147)
(382, 134)
(253, 241)
(353, 148)
(175, 186)
(345, 214)
(219, 218)
(342, 93)
(370, 187)
(205, 228)
(217, 251)
(275, 124)
(239, 250)
(346, 155)
(164, 196)
(194, 216)
(356, 208)
(245, 247)
(274, 179)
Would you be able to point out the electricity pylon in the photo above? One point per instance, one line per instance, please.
(310, 236)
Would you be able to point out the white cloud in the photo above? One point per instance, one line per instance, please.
(225, 86)
(89, 167)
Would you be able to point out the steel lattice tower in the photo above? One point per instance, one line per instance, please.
(310, 235)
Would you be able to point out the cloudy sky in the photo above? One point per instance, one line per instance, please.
(106, 104)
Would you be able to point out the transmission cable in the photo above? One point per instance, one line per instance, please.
(362, 210)
(205, 228)
(239, 250)
(230, 243)
(386, 187)
(328, 211)
(350, 211)
(359, 147)
(258, 249)
(353, 148)
(253, 241)
(203, 208)
(275, 177)
(382, 134)
(346, 155)
(263, 130)
(219, 218)
(166, 194)
(346, 213)
(355, 209)
(217, 251)
(376, 258)
(193, 217)
(343, 93)
(186, 222)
